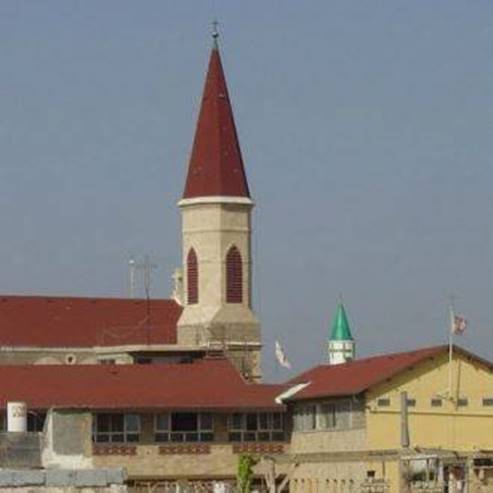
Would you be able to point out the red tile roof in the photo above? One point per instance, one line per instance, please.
(45, 321)
(216, 166)
(204, 384)
(359, 375)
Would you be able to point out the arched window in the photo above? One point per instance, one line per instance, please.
(234, 276)
(192, 278)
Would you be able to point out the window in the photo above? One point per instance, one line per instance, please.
(256, 427)
(184, 427)
(305, 417)
(383, 402)
(436, 402)
(488, 401)
(143, 360)
(343, 415)
(234, 276)
(411, 403)
(327, 416)
(116, 428)
(35, 421)
(324, 416)
(462, 402)
(107, 361)
(192, 278)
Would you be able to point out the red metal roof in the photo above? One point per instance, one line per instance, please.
(359, 375)
(44, 321)
(203, 384)
(216, 166)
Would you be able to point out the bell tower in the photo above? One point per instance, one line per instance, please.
(216, 212)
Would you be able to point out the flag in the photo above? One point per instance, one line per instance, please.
(281, 356)
(459, 324)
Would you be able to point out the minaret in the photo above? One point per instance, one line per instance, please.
(341, 343)
(216, 234)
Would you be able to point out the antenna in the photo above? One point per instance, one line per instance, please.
(147, 266)
(131, 277)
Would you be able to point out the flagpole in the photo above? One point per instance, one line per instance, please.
(451, 346)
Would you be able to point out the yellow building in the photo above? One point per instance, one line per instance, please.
(420, 420)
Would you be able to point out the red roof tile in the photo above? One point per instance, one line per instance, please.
(204, 384)
(359, 375)
(216, 166)
(44, 321)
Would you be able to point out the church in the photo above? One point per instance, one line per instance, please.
(210, 311)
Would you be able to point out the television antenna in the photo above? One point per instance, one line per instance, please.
(146, 267)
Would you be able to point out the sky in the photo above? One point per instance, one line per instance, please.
(366, 130)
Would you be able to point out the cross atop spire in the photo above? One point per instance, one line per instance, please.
(216, 165)
(215, 32)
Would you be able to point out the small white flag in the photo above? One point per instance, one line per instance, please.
(281, 356)
(459, 325)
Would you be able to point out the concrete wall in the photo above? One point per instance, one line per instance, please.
(66, 489)
(328, 441)
(60, 481)
(20, 450)
(68, 439)
(46, 356)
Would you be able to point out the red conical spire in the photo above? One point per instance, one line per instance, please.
(216, 166)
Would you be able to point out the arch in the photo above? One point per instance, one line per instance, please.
(234, 276)
(192, 278)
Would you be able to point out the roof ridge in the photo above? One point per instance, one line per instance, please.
(75, 297)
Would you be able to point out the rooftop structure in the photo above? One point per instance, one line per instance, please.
(341, 345)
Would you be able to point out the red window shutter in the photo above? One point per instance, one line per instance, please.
(192, 278)
(234, 276)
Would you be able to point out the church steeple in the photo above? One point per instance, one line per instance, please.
(216, 233)
(216, 165)
(341, 343)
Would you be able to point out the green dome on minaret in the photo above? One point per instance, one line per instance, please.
(340, 326)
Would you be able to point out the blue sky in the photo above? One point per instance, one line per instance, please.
(366, 128)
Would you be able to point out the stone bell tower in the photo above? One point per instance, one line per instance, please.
(216, 235)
